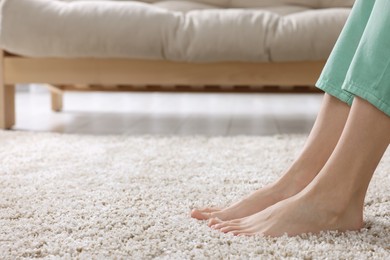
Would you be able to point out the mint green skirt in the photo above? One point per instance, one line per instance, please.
(359, 64)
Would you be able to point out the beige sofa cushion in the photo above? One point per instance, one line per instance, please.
(264, 3)
(201, 31)
(335, 3)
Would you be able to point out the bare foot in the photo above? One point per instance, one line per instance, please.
(303, 213)
(258, 200)
(255, 202)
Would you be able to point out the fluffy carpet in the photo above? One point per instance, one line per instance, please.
(89, 197)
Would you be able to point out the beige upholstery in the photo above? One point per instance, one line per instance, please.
(263, 3)
(196, 31)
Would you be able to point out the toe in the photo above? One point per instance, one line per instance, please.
(237, 221)
(200, 215)
(244, 231)
(195, 213)
(209, 210)
(230, 229)
(214, 221)
(222, 224)
(207, 213)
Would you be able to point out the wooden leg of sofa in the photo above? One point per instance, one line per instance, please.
(7, 106)
(56, 101)
(56, 92)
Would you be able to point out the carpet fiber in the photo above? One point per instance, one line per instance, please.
(129, 197)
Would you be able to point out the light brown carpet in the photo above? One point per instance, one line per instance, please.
(129, 197)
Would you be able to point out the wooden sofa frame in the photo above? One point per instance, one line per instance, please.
(62, 74)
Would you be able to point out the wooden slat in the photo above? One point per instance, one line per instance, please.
(187, 88)
(145, 72)
(54, 88)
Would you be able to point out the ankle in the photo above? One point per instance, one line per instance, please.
(350, 216)
(337, 205)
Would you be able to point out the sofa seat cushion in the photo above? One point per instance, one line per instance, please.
(194, 31)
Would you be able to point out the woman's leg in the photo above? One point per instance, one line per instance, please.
(334, 199)
(319, 145)
(324, 135)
